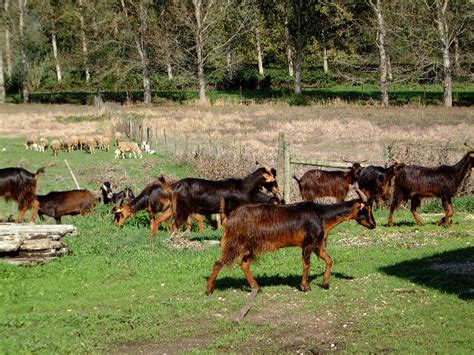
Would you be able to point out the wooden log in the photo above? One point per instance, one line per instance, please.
(13, 228)
(11, 243)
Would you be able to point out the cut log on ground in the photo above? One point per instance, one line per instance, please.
(30, 244)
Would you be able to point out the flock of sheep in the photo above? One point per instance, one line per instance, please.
(89, 144)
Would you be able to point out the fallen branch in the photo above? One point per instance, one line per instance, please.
(246, 308)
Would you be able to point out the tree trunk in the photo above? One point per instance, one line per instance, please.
(259, 51)
(299, 49)
(85, 51)
(8, 52)
(325, 60)
(169, 69)
(55, 53)
(230, 74)
(24, 62)
(198, 13)
(444, 37)
(381, 39)
(2, 81)
(457, 63)
(144, 53)
(289, 51)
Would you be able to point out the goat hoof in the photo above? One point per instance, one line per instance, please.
(209, 292)
(326, 286)
(305, 289)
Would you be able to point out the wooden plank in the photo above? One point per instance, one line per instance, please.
(325, 164)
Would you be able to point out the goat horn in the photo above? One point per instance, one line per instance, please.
(467, 145)
(361, 194)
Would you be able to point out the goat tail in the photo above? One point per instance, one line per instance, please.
(39, 173)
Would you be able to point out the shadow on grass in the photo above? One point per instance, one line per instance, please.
(451, 271)
(225, 283)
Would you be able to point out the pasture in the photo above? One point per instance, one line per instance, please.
(393, 289)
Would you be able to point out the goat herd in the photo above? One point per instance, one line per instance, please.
(255, 218)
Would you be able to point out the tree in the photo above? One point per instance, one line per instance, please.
(136, 21)
(381, 44)
(203, 22)
(442, 22)
(85, 49)
(22, 43)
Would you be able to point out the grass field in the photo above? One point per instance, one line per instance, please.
(405, 289)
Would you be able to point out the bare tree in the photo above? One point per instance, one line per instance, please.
(8, 52)
(2, 81)
(289, 49)
(139, 31)
(381, 44)
(85, 50)
(24, 62)
(442, 22)
(203, 21)
(259, 50)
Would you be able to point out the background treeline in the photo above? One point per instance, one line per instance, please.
(136, 48)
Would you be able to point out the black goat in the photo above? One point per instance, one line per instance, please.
(415, 182)
(117, 198)
(201, 196)
(376, 181)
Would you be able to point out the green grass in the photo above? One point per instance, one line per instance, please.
(404, 289)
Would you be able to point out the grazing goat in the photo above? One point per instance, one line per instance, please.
(376, 181)
(201, 196)
(415, 182)
(155, 198)
(19, 185)
(318, 183)
(66, 203)
(255, 229)
(117, 198)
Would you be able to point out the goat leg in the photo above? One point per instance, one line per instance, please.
(211, 282)
(327, 273)
(415, 203)
(245, 266)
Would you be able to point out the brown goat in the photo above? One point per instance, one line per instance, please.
(19, 185)
(155, 198)
(318, 183)
(251, 230)
(415, 182)
(57, 204)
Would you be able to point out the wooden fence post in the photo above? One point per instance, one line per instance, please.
(287, 191)
(281, 160)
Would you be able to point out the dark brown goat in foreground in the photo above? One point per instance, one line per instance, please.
(19, 185)
(57, 204)
(255, 229)
(415, 182)
(318, 183)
